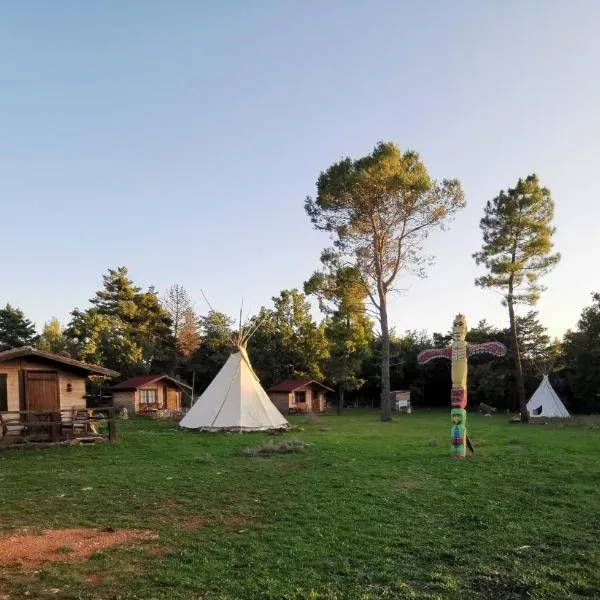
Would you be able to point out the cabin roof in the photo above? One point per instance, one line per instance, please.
(291, 385)
(133, 383)
(26, 351)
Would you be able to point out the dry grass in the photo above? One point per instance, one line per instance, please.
(277, 448)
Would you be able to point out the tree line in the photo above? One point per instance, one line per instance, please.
(378, 210)
(134, 331)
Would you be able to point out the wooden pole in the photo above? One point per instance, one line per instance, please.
(112, 425)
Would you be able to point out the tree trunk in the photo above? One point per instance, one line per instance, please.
(386, 403)
(517, 359)
(340, 402)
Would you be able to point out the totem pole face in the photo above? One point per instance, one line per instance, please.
(456, 416)
(459, 328)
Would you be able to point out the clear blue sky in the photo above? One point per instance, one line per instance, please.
(180, 139)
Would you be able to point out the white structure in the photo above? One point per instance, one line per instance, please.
(545, 402)
(401, 401)
(234, 400)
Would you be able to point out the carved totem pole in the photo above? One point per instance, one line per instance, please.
(458, 353)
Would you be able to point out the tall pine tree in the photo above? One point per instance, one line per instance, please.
(517, 249)
(380, 209)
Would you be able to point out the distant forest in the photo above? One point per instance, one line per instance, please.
(137, 331)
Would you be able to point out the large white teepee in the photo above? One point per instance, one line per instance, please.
(235, 400)
(545, 402)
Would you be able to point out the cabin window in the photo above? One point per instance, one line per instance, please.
(147, 396)
(3, 392)
(300, 397)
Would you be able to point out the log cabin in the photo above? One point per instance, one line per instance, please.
(299, 395)
(37, 381)
(145, 394)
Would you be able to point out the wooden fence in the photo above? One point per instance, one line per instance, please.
(64, 426)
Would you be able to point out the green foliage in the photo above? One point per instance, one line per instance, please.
(582, 359)
(380, 208)
(288, 343)
(15, 328)
(104, 340)
(52, 338)
(384, 505)
(517, 241)
(125, 329)
(215, 332)
(348, 330)
(118, 296)
(517, 250)
(539, 353)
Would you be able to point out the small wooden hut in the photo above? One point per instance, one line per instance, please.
(146, 394)
(37, 381)
(299, 395)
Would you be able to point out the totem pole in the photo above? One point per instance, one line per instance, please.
(458, 353)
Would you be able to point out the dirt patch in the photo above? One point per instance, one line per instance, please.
(190, 522)
(56, 545)
(238, 520)
(277, 448)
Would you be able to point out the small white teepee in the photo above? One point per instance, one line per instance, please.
(235, 399)
(545, 402)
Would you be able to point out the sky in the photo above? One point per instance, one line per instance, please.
(181, 138)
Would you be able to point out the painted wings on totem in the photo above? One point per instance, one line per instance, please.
(433, 353)
(494, 348)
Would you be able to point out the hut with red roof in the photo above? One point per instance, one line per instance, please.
(299, 396)
(145, 394)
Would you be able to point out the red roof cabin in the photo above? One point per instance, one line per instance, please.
(299, 395)
(145, 394)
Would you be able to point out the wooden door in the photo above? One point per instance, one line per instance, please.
(173, 399)
(315, 404)
(41, 391)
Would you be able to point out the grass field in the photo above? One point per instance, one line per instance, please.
(368, 510)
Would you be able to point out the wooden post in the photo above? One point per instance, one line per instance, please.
(112, 425)
(55, 425)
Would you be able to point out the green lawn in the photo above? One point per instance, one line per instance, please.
(369, 510)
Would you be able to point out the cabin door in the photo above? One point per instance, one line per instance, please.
(315, 405)
(172, 399)
(41, 391)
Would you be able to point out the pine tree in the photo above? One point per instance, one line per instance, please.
(380, 208)
(15, 329)
(125, 326)
(118, 296)
(517, 249)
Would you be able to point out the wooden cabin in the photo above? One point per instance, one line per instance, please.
(145, 394)
(37, 381)
(299, 395)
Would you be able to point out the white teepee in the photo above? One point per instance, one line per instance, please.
(235, 400)
(545, 402)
